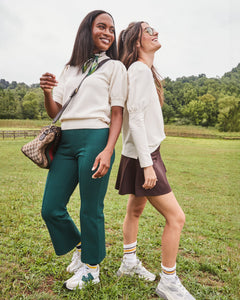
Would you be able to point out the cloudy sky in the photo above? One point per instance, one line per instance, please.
(196, 36)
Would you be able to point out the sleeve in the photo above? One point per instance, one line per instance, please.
(58, 91)
(118, 85)
(138, 99)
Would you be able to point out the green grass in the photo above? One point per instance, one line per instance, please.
(23, 124)
(204, 175)
(198, 131)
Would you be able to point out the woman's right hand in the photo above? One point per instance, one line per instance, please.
(150, 178)
(48, 82)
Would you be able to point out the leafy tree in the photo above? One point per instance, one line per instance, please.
(8, 104)
(40, 99)
(12, 85)
(210, 110)
(189, 93)
(30, 106)
(30, 109)
(202, 111)
(231, 82)
(3, 84)
(195, 112)
(229, 113)
(168, 113)
(21, 91)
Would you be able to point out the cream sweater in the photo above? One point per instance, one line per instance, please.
(143, 127)
(91, 107)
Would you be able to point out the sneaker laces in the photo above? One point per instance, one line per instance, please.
(75, 255)
(180, 286)
(141, 268)
(80, 271)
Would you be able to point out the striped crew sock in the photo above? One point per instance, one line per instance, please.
(168, 272)
(91, 267)
(129, 252)
(79, 248)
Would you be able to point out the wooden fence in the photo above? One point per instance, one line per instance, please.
(13, 134)
(4, 134)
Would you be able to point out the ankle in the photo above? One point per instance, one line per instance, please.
(129, 252)
(91, 268)
(168, 272)
(79, 247)
(130, 259)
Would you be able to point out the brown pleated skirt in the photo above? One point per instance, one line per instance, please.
(130, 177)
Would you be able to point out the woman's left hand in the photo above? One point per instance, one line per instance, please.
(150, 178)
(102, 161)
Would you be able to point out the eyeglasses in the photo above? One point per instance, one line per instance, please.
(151, 31)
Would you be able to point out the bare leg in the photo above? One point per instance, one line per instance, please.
(170, 287)
(168, 206)
(131, 264)
(135, 208)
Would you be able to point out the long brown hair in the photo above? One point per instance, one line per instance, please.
(128, 54)
(83, 46)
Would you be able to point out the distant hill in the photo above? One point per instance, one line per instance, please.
(196, 100)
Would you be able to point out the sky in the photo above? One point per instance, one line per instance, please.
(197, 37)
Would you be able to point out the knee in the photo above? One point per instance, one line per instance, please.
(45, 214)
(181, 220)
(48, 214)
(177, 222)
(135, 212)
(135, 206)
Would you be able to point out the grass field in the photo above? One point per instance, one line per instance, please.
(205, 176)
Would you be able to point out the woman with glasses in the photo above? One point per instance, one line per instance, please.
(142, 173)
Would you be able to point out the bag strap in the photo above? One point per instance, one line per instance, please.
(75, 92)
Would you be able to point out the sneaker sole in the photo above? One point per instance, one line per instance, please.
(119, 273)
(95, 281)
(161, 294)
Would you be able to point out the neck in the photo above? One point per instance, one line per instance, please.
(146, 58)
(97, 52)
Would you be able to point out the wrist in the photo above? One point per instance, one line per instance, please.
(47, 93)
(148, 167)
(109, 150)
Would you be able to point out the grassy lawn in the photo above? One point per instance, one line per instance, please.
(204, 175)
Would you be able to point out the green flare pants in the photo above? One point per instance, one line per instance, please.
(72, 164)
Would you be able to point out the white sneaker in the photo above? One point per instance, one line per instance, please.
(172, 289)
(76, 262)
(81, 277)
(136, 268)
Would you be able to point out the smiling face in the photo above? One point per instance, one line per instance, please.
(103, 33)
(149, 38)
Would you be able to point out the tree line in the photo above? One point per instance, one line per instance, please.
(196, 100)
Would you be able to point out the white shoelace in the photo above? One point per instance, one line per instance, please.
(75, 255)
(180, 286)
